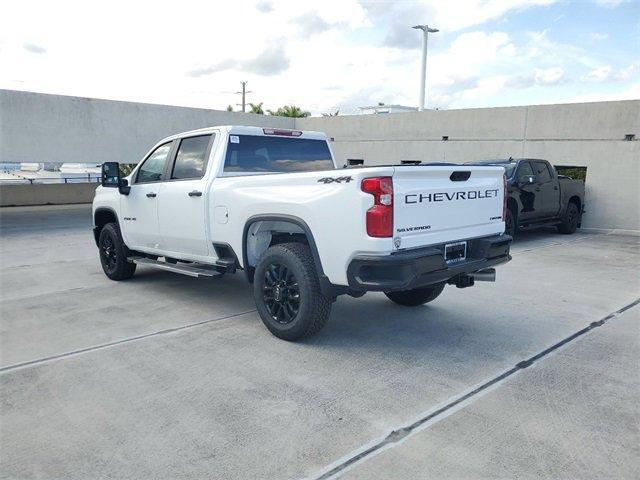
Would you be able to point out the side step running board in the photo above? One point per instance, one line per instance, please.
(192, 270)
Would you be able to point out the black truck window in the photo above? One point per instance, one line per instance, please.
(542, 172)
(524, 171)
(191, 158)
(254, 153)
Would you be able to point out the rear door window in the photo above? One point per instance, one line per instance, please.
(191, 159)
(253, 153)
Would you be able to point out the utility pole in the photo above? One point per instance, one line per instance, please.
(244, 95)
(426, 30)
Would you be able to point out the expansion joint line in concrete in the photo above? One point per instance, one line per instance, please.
(72, 353)
(431, 417)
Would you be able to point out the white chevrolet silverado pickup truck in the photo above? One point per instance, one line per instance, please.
(274, 203)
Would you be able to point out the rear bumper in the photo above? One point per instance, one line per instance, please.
(405, 270)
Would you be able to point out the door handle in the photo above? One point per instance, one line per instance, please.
(195, 193)
(151, 195)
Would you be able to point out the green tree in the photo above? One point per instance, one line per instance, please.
(229, 108)
(334, 114)
(126, 169)
(290, 111)
(256, 108)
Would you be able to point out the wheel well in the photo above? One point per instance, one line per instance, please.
(262, 234)
(100, 219)
(577, 202)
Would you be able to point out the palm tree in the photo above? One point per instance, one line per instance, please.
(290, 111)
(229, 108)
(256, 108)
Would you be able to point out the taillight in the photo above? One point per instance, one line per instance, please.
(380, 216)
(504, 198)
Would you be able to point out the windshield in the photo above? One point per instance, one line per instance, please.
(254, 153)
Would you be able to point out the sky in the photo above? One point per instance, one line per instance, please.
(324, 55)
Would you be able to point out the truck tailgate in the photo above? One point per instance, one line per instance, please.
(439, 204)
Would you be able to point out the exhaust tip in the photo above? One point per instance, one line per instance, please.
(486, 275)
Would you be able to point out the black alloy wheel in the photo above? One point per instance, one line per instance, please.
(286, 289)
(113, 254)
(281, 293)
(571, 219)
(109, 254)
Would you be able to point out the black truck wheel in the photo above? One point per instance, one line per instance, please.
(417, 296)
(113, 254)
(287, 292)
(570, 220)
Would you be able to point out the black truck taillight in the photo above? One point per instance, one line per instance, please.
(505, 195)
(380, 216)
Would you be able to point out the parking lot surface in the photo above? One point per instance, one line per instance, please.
(165, 376)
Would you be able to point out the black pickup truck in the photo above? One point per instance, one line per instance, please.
(538, 196)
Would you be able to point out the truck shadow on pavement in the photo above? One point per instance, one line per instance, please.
(216, 286)
(437, 332)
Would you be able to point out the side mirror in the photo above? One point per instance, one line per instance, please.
(110, 174)
(124, 187)
(111, 178)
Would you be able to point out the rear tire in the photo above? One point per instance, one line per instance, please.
(417, 296)
(510, 223)
(113, 254)
(570, 220)
(287, 292)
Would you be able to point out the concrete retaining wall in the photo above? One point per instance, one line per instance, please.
(589, 134)
(36, 127)
(46, 194)
(41, 128)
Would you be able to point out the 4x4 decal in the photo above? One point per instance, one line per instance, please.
(326, 180)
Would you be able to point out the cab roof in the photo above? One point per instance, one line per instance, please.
(248, 130)
(501, 161)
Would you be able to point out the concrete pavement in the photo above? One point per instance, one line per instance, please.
(167, 376)
(574, 415)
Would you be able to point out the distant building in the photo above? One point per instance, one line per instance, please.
(376, 109)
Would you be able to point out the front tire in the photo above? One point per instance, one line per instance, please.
(287, 292)
(113, 254)
(570, 220)
(417, 296)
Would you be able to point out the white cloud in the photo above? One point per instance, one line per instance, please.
(599, 74)
(264, 6)
(548, 76)
(33, 48)
(598, 36)
(447, 16)
(343, 53)
(632, 92)
(310, 23)
(607, 73)
(626, 73)
(271, 61)
(609, 3)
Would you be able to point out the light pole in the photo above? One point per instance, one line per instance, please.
(426, 30)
